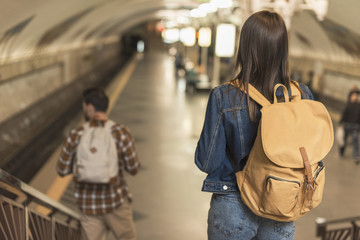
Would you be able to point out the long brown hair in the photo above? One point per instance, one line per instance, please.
(262, 57)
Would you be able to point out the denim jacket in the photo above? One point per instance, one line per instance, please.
(227, 138)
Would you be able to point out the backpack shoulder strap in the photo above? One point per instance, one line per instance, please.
(109, 125)
(257, 96)
(86, 126)
(295, 93)
(254, 94)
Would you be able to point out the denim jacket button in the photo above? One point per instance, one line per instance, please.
(225, 187)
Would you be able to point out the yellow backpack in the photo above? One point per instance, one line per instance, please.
(284, 176)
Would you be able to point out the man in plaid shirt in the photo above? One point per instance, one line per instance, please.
(107, 206)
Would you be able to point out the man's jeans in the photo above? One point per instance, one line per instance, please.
(353, 131)
(230, 219)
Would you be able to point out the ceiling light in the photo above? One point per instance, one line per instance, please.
(221, 3)
(197, 13)
(208, 8)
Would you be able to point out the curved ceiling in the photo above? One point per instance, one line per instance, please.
(336, 38)
(43, 25)
(31, 26)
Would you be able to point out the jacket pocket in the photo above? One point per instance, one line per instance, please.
(280, 196)
(319, 183)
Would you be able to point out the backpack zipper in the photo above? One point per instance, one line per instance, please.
(321, 165)
(283, 180)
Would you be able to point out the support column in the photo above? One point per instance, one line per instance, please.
(204, 56)
(216, 72)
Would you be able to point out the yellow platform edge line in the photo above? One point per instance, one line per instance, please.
(60, 184)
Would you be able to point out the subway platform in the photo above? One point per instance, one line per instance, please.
(166, 123)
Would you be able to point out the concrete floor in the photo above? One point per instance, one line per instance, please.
(166, 123)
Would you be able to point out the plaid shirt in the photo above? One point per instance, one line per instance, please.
(97, 199)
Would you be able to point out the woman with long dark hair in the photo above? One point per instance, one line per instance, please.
(230, 129)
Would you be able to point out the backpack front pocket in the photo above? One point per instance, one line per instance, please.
(280, 196)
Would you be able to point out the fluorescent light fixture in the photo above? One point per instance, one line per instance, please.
(204, 37)
(208, 8)
(221, 3)
(187, 36)
(225, 40)
(171, 35)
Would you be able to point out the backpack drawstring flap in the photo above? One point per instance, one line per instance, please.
(287, 126)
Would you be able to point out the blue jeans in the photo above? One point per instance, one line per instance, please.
(230, 219)
(351, 129)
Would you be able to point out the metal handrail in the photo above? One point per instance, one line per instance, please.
(338, 229)
(18, 221)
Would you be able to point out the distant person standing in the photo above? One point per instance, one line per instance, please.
(97, 153)
(350, 120)
(354, 89)
(179, 63)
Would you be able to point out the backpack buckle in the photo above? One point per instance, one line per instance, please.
(310, 187)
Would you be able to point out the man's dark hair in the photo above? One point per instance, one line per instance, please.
(97, 98)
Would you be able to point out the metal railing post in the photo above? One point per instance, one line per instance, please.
(26, 214)
(320, 227)
(53, 225)
(26, 211)
(355, 230)
(321, 231)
